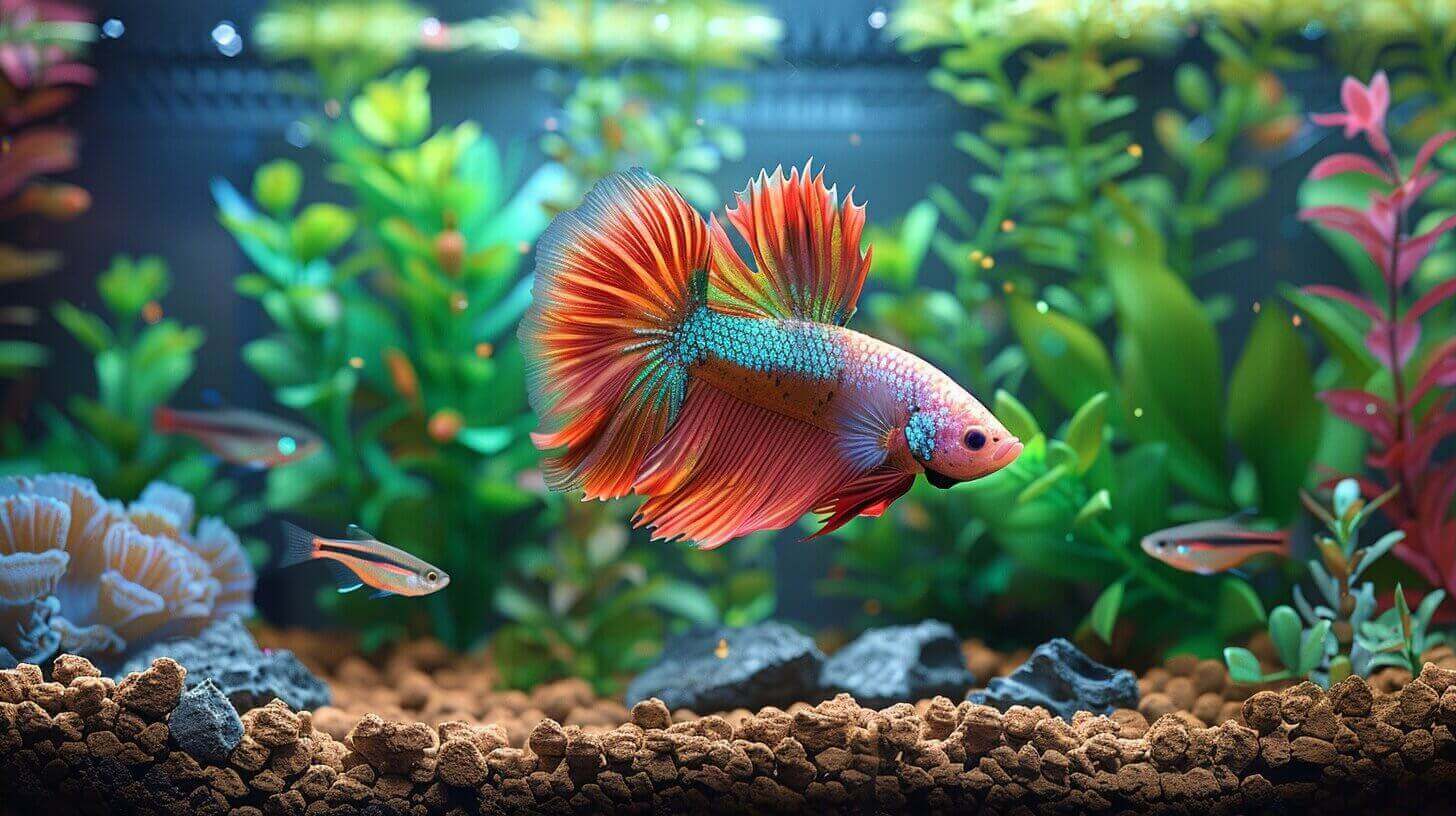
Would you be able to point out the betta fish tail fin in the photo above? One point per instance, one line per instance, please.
(615, 278)
(299, 545)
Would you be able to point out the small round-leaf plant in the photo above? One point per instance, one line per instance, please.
(1338, 635)
(1411, 417)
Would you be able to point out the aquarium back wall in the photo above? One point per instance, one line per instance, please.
(171, 112)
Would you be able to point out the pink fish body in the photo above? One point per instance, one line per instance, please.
(241, 437)
(1212, 547)
(733, 400)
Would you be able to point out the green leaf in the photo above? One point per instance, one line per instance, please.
(1239, 608)
(18, 355)
(1104, 612)
(1285, 629)
(1100, 503)
(1142, 488)
(485, 441)
(1312, 648)
(1193, 86)
(1043, 483)
(1067, 357)
(128, 285)
(1243, 666)
(1084, 431)
(394, 112)
(320, 230)
(1017, 419)
(685, 600)
(1334, 324)
(276, 186)
(88, 328)
(277, 360)
(1273, 413)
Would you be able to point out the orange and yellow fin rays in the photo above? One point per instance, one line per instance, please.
(868, 495)
(729, 468)
(614, 279)
(806, 247)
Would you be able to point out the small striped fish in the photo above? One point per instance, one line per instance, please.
(361, 559)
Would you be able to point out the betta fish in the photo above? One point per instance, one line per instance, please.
(241, 437)
(363, 559)
(1212, 547)
(733, 400)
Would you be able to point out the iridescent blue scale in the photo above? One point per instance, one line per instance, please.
(772, 346)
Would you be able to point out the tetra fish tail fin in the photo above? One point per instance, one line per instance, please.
(615, 279)
(805, 244)
(299, 545)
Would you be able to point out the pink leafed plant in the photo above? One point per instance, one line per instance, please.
(1409, 427)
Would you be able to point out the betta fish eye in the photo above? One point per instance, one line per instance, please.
(975, 439)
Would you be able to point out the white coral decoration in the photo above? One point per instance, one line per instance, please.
(85, 575)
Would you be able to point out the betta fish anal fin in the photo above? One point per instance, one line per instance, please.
(615, 280)
(806, 247)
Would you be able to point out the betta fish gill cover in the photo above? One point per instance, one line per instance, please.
(718, 406)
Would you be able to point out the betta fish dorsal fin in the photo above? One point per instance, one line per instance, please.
(616, 278)
(806, 247)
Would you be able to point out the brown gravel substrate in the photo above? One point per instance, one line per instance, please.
(83, 743)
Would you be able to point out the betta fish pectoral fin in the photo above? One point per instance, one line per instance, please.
(734, 400)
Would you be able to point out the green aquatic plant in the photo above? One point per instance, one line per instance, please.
(393, 335)
(1076, 274)
(141, 360)
(1339, 634)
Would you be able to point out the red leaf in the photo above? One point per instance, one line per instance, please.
(1429, 149)
(1349, 163)
(1414, 250)
(1427, 439)
(1363, 410)
(1407, 335)
(1360, 302)
(1355, 223)
(1431, 299)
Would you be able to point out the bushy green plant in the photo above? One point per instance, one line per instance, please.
(412, 376)
(1339, 634)
(141, 360)
(1075, 268)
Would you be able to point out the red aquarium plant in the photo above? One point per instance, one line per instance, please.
(1408, 426)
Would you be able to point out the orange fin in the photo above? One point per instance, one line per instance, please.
(614, 279)
(869, 495)
(730, 468)
(806, 247)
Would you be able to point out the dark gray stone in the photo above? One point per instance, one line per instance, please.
(1060, 678)
(766, 664)
(226, 653)
(205, 724)
(899, 664)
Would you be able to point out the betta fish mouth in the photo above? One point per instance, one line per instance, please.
(939, 479)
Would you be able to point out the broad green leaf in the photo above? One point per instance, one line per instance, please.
(1243, 666)
(18, 355)
(1142, 488)
(129, 284)
(1273, 413)
(1174, 341)
(1312, 648)
(1239, 608)
(1067, 358)
(685, 600)
(1342, 336)
(320, 229)
(1285, 629)
(1084, 431)
(1015, 416)
(276, 186)
(485, 441)
(1100, 503)
(1043, 483)
(1104, 612)
(277, 360)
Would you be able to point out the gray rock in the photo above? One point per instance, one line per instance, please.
(1059, 677)
(205, 724)
(226, 653)
(765, 664)
(899, 664)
